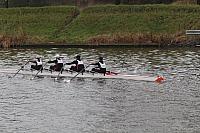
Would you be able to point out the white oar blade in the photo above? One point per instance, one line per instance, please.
(67, 81)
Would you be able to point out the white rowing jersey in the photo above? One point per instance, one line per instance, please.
(102, 65)
(60, 61)
(80, 62)
(39, 62)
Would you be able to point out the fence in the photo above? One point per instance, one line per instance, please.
(192, 32)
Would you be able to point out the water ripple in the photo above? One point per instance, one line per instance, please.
(109, 106)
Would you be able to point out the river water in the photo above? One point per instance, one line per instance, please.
(104, 106)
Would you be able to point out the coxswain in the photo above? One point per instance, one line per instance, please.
(58, 63)
(38, 64)
(101, 66)
(77, 65)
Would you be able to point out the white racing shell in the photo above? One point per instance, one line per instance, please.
(86, 75)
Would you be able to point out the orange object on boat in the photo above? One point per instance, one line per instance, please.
(159, 79)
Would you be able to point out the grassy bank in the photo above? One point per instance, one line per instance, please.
(33, 25)
(136, 24)
(133, 24)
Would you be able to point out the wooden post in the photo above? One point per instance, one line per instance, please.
(6, 3)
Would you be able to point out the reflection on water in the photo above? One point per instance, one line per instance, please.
(95, 105)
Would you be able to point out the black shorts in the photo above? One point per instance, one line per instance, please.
(35, 67)
(80, 68)
(99, 70)
(56, 67)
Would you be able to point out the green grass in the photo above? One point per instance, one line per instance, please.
(55, 24)
(146, 19)
(39, 23)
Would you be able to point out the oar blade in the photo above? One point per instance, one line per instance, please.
(67, 81)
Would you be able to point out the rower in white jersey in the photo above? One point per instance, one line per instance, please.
(58, 63)
(77, 65)
(38, 64)
(101, 66)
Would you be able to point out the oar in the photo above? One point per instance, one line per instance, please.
(60, 72)
(68, 81)
(111, 73)
(39, 71)
(20, 69)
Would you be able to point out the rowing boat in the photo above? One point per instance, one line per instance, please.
(66, 74)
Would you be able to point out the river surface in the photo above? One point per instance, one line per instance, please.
(103, 106)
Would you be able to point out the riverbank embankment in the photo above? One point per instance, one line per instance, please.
(35, 25)
(100, 25)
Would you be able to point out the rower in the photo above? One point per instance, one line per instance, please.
(38, 64)
(101, 66)
(58, 63)
(77, 65)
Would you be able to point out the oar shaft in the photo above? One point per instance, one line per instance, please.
(40, 70)
(79, 73)
(60, 71)
(20, 69)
